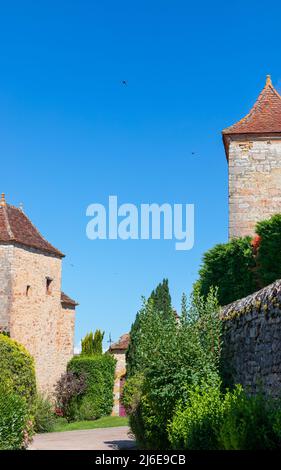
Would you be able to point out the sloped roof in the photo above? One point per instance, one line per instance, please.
(67, 301)
(122, 343)
(264, 117)
(16, 228)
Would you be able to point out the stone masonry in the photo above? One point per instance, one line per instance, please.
(254, 182)
(253, 150)
(251, 353)
(32, 307)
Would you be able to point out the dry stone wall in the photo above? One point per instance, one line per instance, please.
(252, 341)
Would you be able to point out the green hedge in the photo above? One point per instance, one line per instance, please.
(14, 419)
(99, 373)
(229, 267)
(269, 252)
(17, 368)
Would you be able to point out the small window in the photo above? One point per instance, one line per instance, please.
(27, 291)
(49, 285)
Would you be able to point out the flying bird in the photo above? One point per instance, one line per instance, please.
(124, 82)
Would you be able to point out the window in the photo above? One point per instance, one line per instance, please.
(48, 285)
(27, 291)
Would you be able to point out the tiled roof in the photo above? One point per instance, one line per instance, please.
(16, 228)
(65, 300)
(264, 117)
(122, 343)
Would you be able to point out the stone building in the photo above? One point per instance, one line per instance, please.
(119, 352)
(33, 309)
(253, 150)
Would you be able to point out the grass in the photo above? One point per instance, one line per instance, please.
(106, 422)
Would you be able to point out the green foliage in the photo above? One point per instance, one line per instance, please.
(17, 367)
(171, 357)
(97, 400)
(269, 252)
(92, 343)
(230, 267)
(43, 414)
(132, 392)
(195, 424)
(160, 298)
(87, 345)
(250, 423)
(14, 419)
(97, 342)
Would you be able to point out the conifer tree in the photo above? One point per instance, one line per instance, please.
(87, 345)
(97, 342)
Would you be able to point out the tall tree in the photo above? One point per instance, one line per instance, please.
(162, 299)
(97, 342)
(87, 344)
(92, 343)
(159, 301)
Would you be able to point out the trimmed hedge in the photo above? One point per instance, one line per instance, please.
(17, 368)
(230, 267)
(99, 373)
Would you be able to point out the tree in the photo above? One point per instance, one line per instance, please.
(92, 343)
(97, 342)
(160, 301)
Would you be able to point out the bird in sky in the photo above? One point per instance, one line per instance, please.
(124, 82)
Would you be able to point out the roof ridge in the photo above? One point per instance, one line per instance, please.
(268, 86)
(8, 226)
(35, 228)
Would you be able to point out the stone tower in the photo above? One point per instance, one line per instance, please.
(253, 150)
(33, 310)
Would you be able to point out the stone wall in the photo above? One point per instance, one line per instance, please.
(252, 341)
(254, 182)
(6, 256)
(36, 317)
(120, 371)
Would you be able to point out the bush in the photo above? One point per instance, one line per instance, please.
(43, 414)
(172, 356)
(230, 267)
(196, 423)
(15, 424)
(68, 391)
(99, 373)
(250, 423)
(269, 252)
(17, 367)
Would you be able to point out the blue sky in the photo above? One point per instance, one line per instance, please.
(71, 134)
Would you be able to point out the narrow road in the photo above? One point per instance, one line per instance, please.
(89, 439)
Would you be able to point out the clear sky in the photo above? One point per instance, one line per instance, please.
(71, 134)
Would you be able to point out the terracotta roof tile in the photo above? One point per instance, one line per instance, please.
(65, 300)
(264, 117)
(16, 228)
(122, 343)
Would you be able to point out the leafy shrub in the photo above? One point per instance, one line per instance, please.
(269, 252)
(230, 267)
(43, 414)
(68, 391)
(250, 423)
(17, 367)
(15, 424)
(196, 423)
(99, 373)
(172, 356)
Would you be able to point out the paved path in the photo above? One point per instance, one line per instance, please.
(88, 439)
